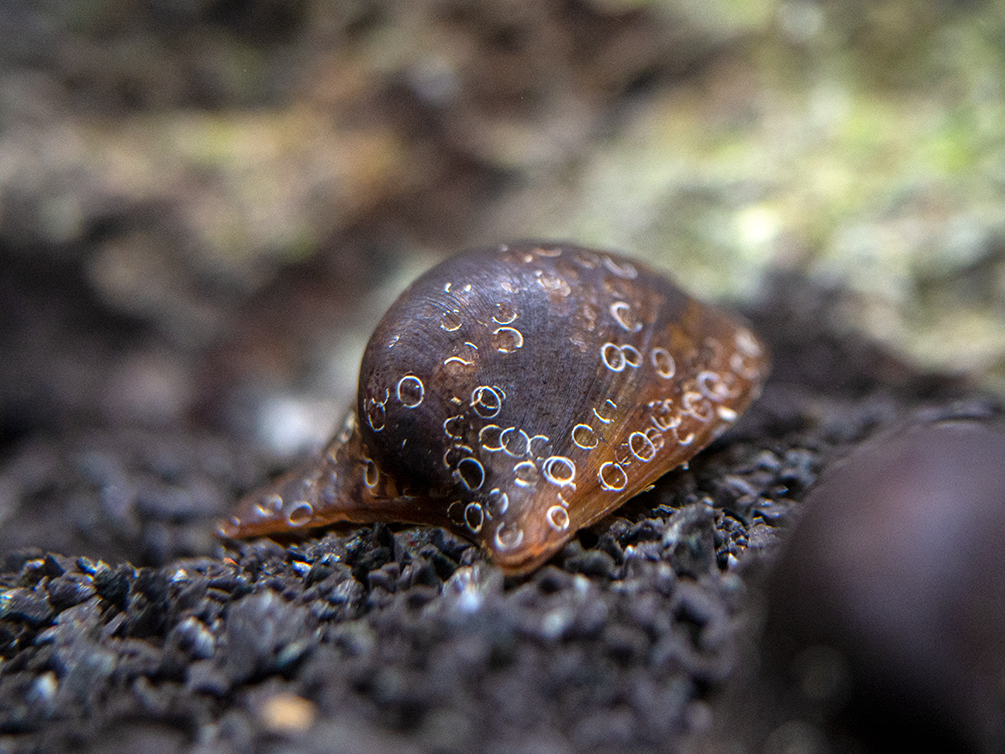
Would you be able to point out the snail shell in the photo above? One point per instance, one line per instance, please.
(516, 394)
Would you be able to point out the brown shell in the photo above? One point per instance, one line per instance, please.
(517, 393)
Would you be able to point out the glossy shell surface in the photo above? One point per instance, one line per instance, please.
(518, 393)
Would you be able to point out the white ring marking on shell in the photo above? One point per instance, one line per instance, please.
(503, 505)
(578, 442)
(412, 401)
(509, 332)
(558, 518)
(473, 465)
(487, 410)
(300, 514)
(522, 438)
(608, 485)
(622, 313)
(497, 443)
(663, 362)
(523, 467)
(613, 407)
(368, 467)
(475, 528)
(624, 270)
(548, 469)
(512, 541)
(718, 391)
(647, 446)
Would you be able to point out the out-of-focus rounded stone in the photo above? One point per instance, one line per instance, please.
(886, 614)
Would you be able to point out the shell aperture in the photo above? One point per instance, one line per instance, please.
(516, 394)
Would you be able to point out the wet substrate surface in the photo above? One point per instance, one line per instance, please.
(125, 627)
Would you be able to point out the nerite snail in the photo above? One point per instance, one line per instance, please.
(516, 394)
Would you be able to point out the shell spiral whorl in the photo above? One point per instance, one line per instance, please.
(516, 394)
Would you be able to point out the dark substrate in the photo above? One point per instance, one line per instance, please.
(125, 627)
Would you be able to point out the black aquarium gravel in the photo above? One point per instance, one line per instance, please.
(125, 627)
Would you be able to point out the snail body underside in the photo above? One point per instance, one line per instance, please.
(516, 394)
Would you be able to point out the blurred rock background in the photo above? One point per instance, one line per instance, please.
(205, 205)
